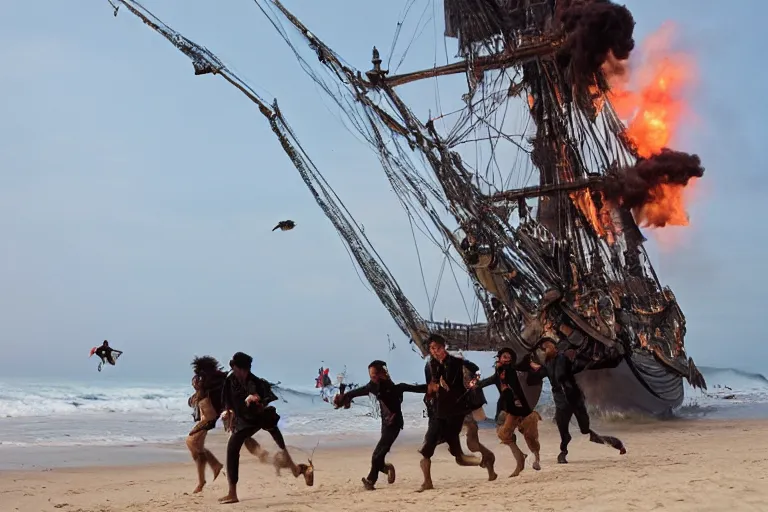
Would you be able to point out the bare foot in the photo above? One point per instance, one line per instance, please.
(426, 486)
(520, 466)
(622, 451)
(199, 488)
(226, 500)
(216, 471)
(369, 486)
(536, 465)
(489, 459)
(561, 458)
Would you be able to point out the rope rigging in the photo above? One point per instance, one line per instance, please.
(527, 262)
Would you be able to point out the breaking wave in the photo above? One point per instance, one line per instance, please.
(32, 413)
(35, 414)
(18, 401)
(35, 400)
(734, 378)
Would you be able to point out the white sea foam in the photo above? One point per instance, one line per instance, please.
(33, 413)
(69, 414)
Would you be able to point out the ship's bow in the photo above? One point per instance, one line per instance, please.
(642, 384)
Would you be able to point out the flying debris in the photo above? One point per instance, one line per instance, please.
(285, 225)
(561, 258)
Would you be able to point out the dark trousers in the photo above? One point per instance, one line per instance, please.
(564, 411)
(443, 430)
(389, 434)
(235, 444)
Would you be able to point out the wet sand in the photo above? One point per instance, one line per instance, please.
(696, 465)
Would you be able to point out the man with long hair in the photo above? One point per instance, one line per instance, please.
(390, 397)
(208, 383)
(516, 413)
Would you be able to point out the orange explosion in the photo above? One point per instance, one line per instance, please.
(653, 106)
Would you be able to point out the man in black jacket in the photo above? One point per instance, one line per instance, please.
(246, 400)
(390, 397)
(448, 403)
(568, 397)
(476, 400)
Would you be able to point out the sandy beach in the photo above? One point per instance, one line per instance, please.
(678, 465)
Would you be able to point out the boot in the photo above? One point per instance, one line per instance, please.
(283, 460)
(309, 474)
(611, 441)
(426, 469)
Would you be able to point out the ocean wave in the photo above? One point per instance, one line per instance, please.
(37, 400)
(38, 414)
(734, 378)
(32, 399)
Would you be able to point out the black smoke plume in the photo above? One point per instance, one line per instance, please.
(594, 28)
(633, 187)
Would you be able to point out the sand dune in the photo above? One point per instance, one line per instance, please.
(680, 465)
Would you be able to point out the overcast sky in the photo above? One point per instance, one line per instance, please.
(136, 200)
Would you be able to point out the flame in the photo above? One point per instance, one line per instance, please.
(601, 220)
(653, 110)
(667, 206)
(597, 98)
(583, 201)
(659, 108)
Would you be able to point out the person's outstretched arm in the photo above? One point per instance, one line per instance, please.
(484, 383)
(412, 388)
(347, 397)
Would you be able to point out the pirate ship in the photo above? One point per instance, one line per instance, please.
(561, 257)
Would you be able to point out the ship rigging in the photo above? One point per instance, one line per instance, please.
(562, 257)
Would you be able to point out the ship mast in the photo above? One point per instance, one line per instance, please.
(368, 260)
(563, 256)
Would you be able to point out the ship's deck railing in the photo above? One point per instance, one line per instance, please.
(478, 337)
